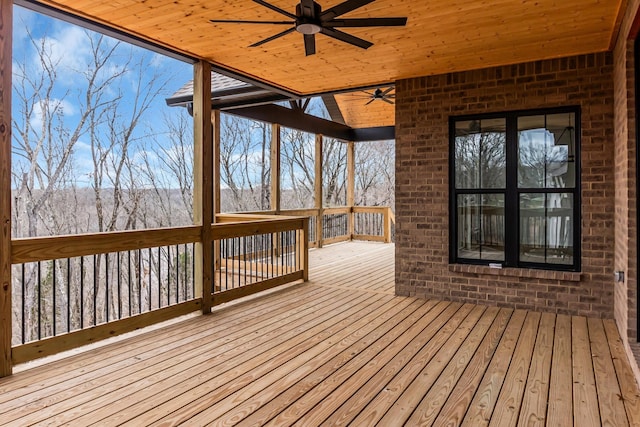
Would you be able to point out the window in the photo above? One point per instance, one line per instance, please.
(515, 189)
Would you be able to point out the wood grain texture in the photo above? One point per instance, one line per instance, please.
(431, 43)
(276, 141)
(6, 29)
(318, 198)
(476, 349)
(534, 402)
(630, 393)
(560, 409)
(612, 410)
(509, 401)
(203, 210)
(48, 248)
(340, 349)
(486, 395)
(49, 346)
(585, 398)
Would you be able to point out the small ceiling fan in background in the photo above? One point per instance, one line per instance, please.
(380, 94)
(310, 20)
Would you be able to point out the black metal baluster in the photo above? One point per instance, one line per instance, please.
(129, 279)
(68, 294)
(226, 267)
(159, 277)
(139, 267)
(150, 271)
(186, 257)
(81, 292)
(53, 294)
(119, 281)
(24, 288)
(39, 301)
(283, 249)
(177, 274)
(193, 270)
(106, 287)
(233, 266)
(95, 293)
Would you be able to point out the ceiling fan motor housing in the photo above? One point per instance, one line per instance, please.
(308, 21)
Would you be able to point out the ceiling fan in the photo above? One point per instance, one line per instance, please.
(310, 20)
(380, 94)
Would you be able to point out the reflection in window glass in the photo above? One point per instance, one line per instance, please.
(480, 153)
(481, 226)
(546, 228)
(546, 151)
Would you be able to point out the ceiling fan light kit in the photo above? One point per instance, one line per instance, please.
(310, 20)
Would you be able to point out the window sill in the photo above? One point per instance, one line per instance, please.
(567, 276)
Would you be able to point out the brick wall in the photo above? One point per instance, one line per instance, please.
(423, 107)
(625, 296)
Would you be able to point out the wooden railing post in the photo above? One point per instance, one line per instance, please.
(275, 168)
(305, 250)
(318, 190)
(6, 28)
(387, 225)
(215, 121)
(351, 186)
(275, 176)
(203, 210)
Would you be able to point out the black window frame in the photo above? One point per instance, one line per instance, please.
(512, 191)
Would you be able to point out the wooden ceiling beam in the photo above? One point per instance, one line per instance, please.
(296, 119)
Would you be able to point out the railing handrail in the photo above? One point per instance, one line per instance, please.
(228, 230)
(35, 249)
(282, 257)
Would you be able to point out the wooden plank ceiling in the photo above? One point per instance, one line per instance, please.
(440, 37)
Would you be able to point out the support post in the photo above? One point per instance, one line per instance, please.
(275, 168)
(203, 211)
(215, 122)
(318, 190)
(6, 27)
(351, 186)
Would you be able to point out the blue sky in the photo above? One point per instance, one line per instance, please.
(69, 47)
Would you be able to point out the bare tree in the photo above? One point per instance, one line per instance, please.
(244, 164)
(375, 173)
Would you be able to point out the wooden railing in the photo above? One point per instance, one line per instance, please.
(72, 290)
(374, 223)
(256, 252)
(339, 224)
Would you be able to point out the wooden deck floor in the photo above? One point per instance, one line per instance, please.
(341, 349)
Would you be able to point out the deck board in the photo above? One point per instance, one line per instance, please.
(341, 350)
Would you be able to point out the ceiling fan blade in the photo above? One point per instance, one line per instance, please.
(387, 91)
(367, 22)
(308, 9)
(347, 38)
(309, 44)
(228, 21)
(276, 9)
(342, 8)
(387, 101)
(373, 99)
(267, 40)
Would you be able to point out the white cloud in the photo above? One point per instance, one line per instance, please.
(67, 50)
(50, 107)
